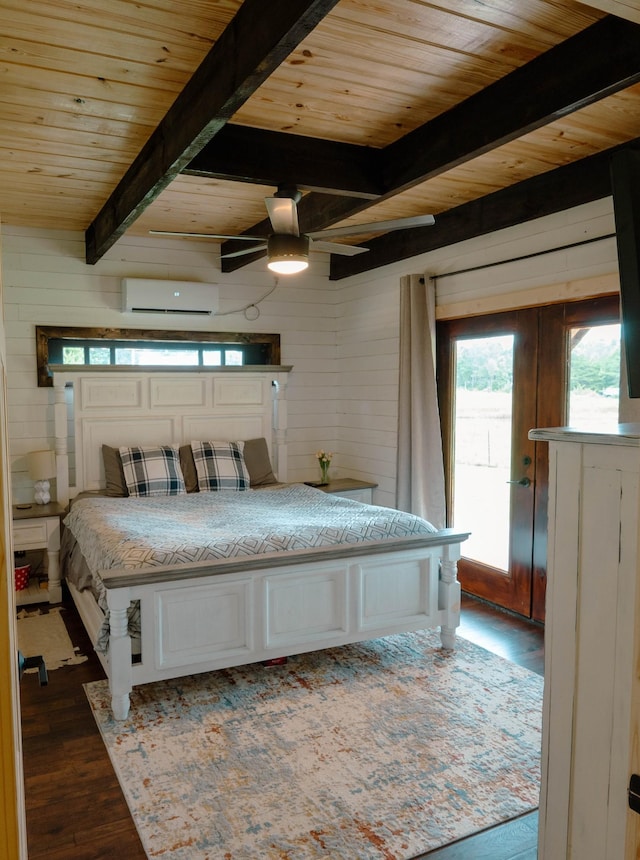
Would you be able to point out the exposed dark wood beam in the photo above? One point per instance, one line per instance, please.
(244, 154)
(602, 59)
(625, 184)
(254, 44)
(554, 191)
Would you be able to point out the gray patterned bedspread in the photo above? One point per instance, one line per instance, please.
(168, 530)
(134, 533)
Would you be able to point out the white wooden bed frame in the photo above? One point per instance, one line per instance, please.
(216, 615)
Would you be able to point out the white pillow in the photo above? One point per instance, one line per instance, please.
(152, 471)
(220, 466)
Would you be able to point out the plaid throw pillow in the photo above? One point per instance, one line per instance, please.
(152, 471)
(220, 466)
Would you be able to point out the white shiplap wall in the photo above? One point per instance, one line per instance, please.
(341, 337)
(47, 282)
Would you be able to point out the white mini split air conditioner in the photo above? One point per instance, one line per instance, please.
(148, 296)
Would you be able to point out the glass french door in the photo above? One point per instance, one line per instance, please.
(499, 376)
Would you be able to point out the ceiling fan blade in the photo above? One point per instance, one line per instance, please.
(283, 214)
(337, 248)
(243, 237)
(377, 226)
(244, 251)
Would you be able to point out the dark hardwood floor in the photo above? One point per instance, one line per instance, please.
(76, 810)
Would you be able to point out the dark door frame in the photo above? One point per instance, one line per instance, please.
(543, 360)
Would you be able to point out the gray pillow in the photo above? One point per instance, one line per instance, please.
(188, 469)
(256, 459)
(113, 472)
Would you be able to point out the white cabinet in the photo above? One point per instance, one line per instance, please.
(38, 527)
(592, 659)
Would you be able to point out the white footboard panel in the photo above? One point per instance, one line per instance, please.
(308, 609)
(392, 598)
(201, 620)
(196, 622)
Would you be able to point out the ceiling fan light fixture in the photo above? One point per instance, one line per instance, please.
(287, 254)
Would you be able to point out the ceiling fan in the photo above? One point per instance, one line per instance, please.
(288, 249)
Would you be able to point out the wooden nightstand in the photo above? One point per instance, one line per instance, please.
(38, 527)
(361, 491)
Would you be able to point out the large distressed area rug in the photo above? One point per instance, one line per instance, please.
(384, 749)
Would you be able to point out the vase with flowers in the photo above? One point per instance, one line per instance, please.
(324, 461)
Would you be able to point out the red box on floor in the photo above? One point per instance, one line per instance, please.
(21, 575)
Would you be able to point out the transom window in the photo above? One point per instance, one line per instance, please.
(70, 346)
(152, 353)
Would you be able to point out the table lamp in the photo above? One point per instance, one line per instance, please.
(42, 466)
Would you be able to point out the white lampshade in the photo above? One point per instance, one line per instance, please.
(42, 465)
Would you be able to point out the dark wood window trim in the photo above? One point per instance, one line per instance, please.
(44, 333)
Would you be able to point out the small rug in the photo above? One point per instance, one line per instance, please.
(43, 633)
(383, 750)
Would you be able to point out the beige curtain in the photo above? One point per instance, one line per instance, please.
(420, 470)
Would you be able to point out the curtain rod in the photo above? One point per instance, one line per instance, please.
(523, 257)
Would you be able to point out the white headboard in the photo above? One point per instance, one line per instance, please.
(116, 408)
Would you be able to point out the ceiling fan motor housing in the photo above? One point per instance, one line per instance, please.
(282, 245)
(286, 249)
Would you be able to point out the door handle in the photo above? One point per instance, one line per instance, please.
(523, 482)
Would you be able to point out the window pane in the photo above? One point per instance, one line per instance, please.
(232, 356)
(482, 439)
(99, 355)
(211, 357)
(73, 355)
(594, 374)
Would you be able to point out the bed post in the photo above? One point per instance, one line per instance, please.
(119, 656)
(61, 446)
(280, 426)
(449, 594)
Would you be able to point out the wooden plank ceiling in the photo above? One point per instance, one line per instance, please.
(121, 116)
